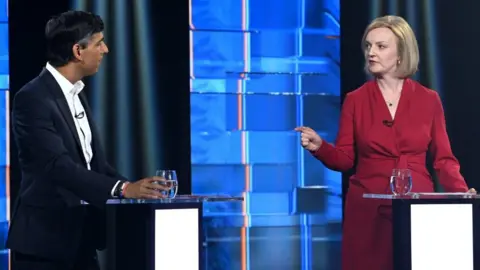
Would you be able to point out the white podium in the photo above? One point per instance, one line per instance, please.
(438, 231)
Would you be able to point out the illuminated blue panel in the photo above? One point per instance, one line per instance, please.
(259, 69)
(4, 160)
(270, 112)
(3, 11)
(3, 53)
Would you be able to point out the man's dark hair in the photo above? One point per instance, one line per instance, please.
(67, 29)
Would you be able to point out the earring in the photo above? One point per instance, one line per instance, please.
(398, 62)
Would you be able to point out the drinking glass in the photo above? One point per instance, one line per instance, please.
(401, 181)
(170, 181)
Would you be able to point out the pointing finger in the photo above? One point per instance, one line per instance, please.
(299, 129)
(308, 129)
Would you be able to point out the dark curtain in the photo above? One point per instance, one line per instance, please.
(141, 94)
(447, 37)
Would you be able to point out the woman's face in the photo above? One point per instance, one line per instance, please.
(381, 52)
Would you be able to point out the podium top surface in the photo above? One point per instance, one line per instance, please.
(424, 195)
(179, 199)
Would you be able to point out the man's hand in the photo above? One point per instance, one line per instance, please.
(147, 188)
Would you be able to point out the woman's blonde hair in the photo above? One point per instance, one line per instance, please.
(406, 43)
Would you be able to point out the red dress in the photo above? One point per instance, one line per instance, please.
(418, 128)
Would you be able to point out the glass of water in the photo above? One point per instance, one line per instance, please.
(170, 181)
(401, 181)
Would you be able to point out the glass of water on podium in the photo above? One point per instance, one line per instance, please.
(401, 181)
(170, 181)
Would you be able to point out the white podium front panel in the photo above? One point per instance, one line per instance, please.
(176, 239)
(441, 236)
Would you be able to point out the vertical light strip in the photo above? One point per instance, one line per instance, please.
(245, 256)
(411, 18)
(304, 227)
(78, 4)
(147, 84)
(411, 14)
(7, 166)
(123, 86)
(243, 234)
(99, 81)
(299, 94)
(7, 154)
(393, 7)
(375, 8)
(7, 171)
(429, 20)
(192, 28)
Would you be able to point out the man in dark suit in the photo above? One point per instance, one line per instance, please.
(62, 161)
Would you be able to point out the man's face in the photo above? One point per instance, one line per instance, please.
(91, 56)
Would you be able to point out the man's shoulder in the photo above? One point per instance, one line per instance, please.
(35, 88)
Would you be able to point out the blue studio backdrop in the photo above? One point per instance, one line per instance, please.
(4, 133)
(259, 68)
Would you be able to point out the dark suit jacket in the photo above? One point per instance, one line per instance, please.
(48, 219)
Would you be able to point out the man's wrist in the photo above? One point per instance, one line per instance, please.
(118, 191)
(123, 189)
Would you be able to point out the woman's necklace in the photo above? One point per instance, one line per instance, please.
(390, 103)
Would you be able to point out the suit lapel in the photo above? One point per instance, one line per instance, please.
(62, 104)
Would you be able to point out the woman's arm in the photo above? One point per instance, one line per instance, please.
(341, 156)
(444, 162)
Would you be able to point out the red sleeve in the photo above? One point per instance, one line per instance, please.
(444, 162)
(341, 156)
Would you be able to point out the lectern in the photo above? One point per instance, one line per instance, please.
(434, 230)
(157, 234)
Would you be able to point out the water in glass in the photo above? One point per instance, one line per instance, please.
(401, 181)
(170, 181)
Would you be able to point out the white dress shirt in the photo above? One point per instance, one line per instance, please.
(71, 92)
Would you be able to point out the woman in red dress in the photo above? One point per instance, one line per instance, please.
(389, 122)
